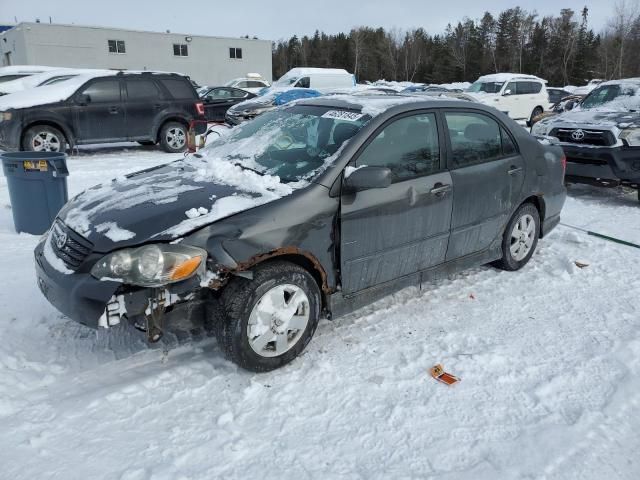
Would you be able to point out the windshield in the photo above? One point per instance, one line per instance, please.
(294, 143)
(486, 87)
(625, 95)
(286, 81)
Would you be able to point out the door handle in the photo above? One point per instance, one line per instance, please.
(514, 170)
(440, 190)
(113, 110)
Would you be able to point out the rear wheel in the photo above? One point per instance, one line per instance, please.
(44, 138)
(520, 238)
(173, 137)
(536, 111)
(269, 320)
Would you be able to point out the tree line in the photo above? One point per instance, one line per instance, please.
(562, 49)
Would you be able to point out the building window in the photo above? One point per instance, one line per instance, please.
(180, 50)
(235, 53)
(116, 46)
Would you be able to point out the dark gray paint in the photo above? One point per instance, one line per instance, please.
(366, 244)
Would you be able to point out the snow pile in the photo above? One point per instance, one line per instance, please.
(113, 232)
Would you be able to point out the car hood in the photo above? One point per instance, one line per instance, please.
(599, 118)
(165, 202)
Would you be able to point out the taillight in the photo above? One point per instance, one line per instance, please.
(200, 108)
(563, 159)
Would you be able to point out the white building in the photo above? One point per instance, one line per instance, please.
(207, 60)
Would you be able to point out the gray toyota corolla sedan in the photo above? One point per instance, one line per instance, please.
(314, 209)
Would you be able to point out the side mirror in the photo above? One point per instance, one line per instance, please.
(507, 92)
(84, 99)
(570, 104)
(365, 178)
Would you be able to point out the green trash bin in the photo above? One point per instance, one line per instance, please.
(37, 184)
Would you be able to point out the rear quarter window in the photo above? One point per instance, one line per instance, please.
(179, 88)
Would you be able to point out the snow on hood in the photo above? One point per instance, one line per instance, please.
(32, 81)
(48, 93)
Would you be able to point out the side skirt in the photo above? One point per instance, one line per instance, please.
(339, 304)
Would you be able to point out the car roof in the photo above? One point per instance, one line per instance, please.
(505, 77)
(375, 105)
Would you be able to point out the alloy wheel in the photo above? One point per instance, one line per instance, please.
(45, 142)
(176, 138)
(278, 320)
(522, 237)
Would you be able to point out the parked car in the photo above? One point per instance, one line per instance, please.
(320, 79)
(251, 108)
(45, 78)
(429, 88)
(146, 107)
(567, 103)
(556, 95)
(601, 135)
(217, 100)
(313, 209)
(14, 72)
(522, 97)
(252, 83)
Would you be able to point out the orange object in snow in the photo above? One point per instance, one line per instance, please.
(440, 375)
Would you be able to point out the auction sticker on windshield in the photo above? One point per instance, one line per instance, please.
(343, 115)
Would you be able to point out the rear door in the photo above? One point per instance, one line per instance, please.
(98, 111)
(144, 100)
(394, 232)
(487, 173)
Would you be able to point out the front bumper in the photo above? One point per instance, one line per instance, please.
(606, 163)
(79, 296)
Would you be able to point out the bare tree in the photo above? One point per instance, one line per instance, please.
(625, 15)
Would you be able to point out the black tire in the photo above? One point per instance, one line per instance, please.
(146, 143)
(51, 139)
(170, 129)
(536, 111)
(237, 302)
(508, 261)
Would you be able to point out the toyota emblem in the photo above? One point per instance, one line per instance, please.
(578, 135)
(61, 241)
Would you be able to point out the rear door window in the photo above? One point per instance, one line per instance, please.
(535, 87)
(475, 138)
(103, 91)
(179, 88)
(142, 90)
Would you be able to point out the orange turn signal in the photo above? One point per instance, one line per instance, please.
(185, 269)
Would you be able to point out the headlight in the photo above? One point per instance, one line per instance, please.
(152, 265)
(631, 136)
(540, 128)
(5, 116)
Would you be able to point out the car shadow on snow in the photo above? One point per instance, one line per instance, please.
(622, 196)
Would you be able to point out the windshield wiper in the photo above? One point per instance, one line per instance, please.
(244, 167)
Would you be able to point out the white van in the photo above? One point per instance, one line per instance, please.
(522, 97)
(317, 78)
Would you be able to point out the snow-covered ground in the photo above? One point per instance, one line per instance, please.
(549, 359)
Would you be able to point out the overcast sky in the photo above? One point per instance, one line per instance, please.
(277, 19)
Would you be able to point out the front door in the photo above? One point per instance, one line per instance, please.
(99, 112)
(144, 102)
(399, 230)
(488, 173)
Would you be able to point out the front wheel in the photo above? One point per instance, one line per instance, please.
(520, 238)
(173, 137)
(269, 320)
(43, 138)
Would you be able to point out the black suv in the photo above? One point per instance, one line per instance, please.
(146, 107)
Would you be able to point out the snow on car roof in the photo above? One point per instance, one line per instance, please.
(33, 81)
(505, 77)
(57, 92)
(302, 71)
(635, 81)
(13, 69)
